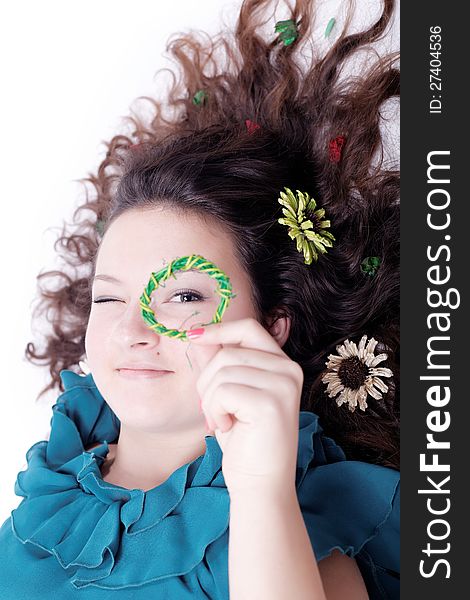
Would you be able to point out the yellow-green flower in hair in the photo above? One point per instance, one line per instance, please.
(305, 224)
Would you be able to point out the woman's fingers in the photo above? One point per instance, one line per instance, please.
(247, 393)
(237, 356)
(246, 333)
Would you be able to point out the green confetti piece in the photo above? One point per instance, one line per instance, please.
(330, 26)
(99, 226)
(199, 97)
(370, 265)
(287, 31)
(185, 263)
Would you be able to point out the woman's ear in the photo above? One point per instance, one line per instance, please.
(279, 327)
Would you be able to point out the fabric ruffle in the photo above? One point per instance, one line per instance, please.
(96, 530)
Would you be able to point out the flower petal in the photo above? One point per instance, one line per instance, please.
(371, 389)
(290, 199)
(353, 398)
(328, 234)
(352, 401)
(288, 214)
(330, 377)
(287, 221)
(378, 359)
(334, 360)
(381, 372)
(312, 204)
(342, 399)
(383, 387)
(288, 211)
(361, 352)
(362, 398)
(342, 351)
(302, 200)
(334, 388)
(352, 348)
(319, 245)
(371, 346)
(313, 250)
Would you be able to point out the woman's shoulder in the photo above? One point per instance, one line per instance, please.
(348, 496)
(349, 506)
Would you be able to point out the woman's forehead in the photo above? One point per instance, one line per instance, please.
(154, 238)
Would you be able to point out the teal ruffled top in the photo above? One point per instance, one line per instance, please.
(75, 535)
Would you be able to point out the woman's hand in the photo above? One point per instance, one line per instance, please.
(250, 392)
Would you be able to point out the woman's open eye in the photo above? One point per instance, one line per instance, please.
(188, 293)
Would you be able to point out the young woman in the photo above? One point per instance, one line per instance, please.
(258, 458)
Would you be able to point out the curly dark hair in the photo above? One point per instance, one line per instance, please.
(205, 160)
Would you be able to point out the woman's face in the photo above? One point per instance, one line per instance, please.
(136, 244)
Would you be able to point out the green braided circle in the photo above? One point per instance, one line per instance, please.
(185, 263)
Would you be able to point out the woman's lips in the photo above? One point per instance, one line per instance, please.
(141, 373)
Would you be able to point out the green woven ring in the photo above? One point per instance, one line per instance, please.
(185, 263)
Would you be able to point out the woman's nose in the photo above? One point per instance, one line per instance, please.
(133, 329)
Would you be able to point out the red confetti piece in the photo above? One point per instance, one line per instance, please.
(335, 146)
(251, 126)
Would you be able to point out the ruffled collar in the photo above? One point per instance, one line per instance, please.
(95, 529)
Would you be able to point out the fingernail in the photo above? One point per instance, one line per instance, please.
(194, 333)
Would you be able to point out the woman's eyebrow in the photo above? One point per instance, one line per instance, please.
(109, 278)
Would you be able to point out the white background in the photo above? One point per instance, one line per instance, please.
(70, 72)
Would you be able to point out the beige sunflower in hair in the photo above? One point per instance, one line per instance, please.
(306, 224)
(353, 374)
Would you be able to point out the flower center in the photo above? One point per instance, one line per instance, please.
(352, 372)
(309, 214)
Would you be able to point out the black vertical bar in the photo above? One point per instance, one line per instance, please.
(435, 395)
